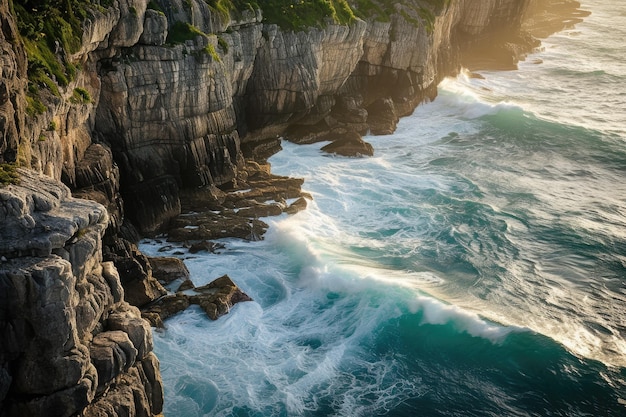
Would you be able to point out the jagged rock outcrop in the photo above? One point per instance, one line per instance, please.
(67, 332)
(177, 114)
(215, 299)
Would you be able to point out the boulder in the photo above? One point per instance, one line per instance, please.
(382, 117)
(350, 144)
(168, 269)
(215, 298)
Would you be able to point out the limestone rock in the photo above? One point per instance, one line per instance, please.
(97, 178)
(129, 321)
(168, 269)
(215, 298)
(65, 331)
(25, 209)
(154, 28)
(111, 353)
(349, 144)
(126, 398)
(382, 117)
(13, 66)
(140, 287)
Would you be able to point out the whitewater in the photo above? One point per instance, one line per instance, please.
(475, 266)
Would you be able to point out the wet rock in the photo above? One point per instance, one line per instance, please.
(206, 246)
(168, 269)
(298, 205)
(140, 286)
(350, 144)
(257, 194)
(186, 285)
(215, 298)
(165, 307)
(382, 117)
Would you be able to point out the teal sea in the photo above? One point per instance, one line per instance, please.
(475, 266)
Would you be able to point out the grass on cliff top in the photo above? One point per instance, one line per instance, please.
(8, 174)
(381, 10)
(301, 14)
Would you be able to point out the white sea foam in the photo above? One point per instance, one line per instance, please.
(449, 223)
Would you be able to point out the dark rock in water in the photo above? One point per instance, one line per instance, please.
(215, 214)
(350, 144)
(205, 245)
(186, 285)
(298, 205)
(215, 298)
(382, 118)
(348, 109)
(215, 226)
(165, 308)
(305, 134)
(168, 269)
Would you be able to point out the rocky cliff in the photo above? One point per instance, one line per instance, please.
(184, 113)
(68, 336)
(166, 108)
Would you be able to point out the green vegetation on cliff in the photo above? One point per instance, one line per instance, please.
(51, 31)
(381, 10)
(301, 14)
(8, 174)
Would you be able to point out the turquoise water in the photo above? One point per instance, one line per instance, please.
(475, 266)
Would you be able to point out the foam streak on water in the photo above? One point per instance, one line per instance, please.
(476, 265)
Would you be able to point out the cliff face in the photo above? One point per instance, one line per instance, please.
(177, 114)
(164, 116)
(68, 336)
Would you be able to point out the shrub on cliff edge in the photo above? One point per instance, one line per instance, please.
(301, 14)
(8, 174)
(51, 31)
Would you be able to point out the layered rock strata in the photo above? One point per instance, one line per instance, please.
(69, 340)
(179, 115)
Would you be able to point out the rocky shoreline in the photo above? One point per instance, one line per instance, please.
(152, 136)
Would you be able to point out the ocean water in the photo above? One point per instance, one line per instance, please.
(475, 266)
